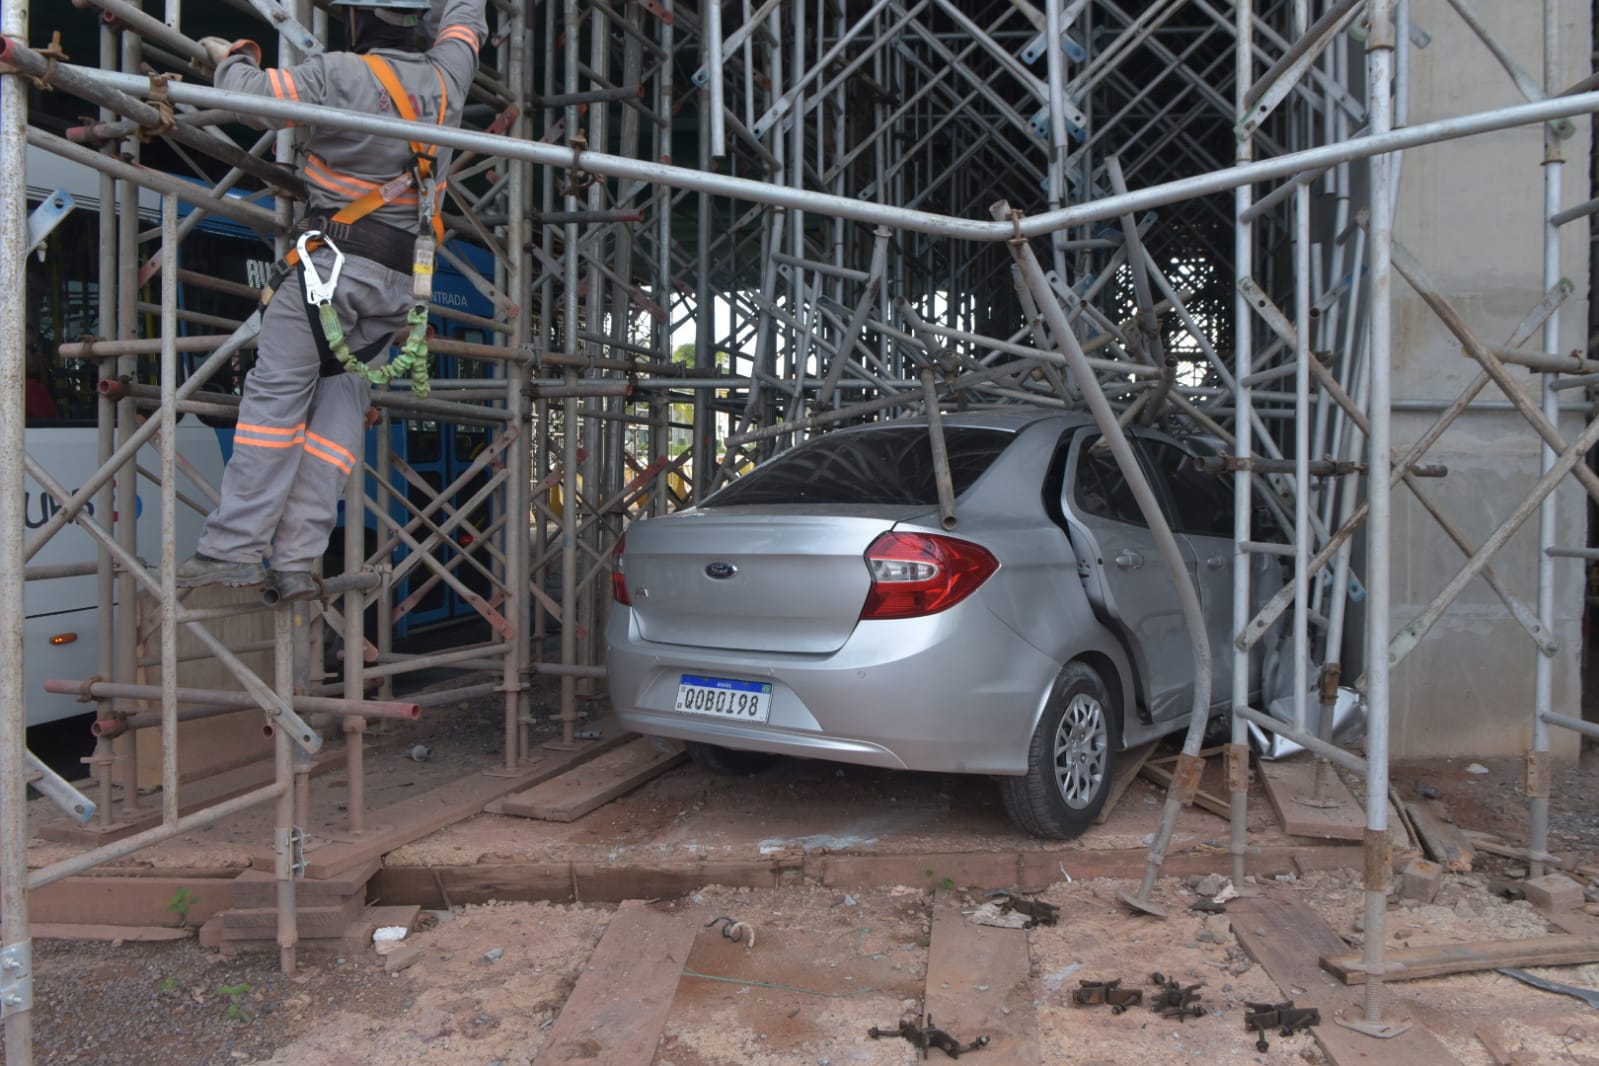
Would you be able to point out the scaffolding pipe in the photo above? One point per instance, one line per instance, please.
(1380, 46)
(1355, 148)
(16, 944)
(1185, 779)
(229, 699)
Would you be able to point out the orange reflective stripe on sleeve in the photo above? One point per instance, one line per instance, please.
(458, 33)
(283, 86)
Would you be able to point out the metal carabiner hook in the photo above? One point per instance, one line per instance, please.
(318, 291)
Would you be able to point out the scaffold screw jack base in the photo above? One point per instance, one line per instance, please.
(1382, 1029)
(1140, 904)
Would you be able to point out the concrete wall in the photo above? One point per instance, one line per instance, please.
(1471, 211)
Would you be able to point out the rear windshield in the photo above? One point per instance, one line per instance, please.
(886, 466)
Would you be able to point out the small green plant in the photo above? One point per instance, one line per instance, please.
(947, 884)
(236, 994)
(180, 903)
(171, 986)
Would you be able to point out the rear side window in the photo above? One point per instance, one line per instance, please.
(1204, 503)
(1101, 489)
(886, 466)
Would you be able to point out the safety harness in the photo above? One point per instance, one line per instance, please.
(325, 326)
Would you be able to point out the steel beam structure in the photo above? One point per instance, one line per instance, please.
(721, 228)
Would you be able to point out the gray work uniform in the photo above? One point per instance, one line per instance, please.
(299, 435)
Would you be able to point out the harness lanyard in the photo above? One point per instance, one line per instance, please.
(413, 357)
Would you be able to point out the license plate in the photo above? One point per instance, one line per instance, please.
(721, 697)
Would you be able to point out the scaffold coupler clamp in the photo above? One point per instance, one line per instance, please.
(290, 844)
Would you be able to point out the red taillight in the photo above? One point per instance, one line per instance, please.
(619, 574)
(915, 574)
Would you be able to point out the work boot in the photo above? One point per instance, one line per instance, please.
(198, 570)
(294, 585)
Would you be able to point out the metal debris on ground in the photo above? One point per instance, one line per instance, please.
(1589, 996)
(1286, 1018)
(734, 930)
(1175, 1000)
(923, 1034)
(1037, 911)
(1098, 993)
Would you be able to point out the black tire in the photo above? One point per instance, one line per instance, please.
(729, 762)
(1071, 759)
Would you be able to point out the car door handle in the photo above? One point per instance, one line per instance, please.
(1216, 562)
(1129, 560)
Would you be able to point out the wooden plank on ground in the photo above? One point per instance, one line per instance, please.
(417, 816)
(259, 888)
(595, 783)
(357, 933)
(1444, 842)
(617, 1011)
(191, 797)
(315, 922)
(1160, 774)
(1438, 959)
(131, 901)
(978, 984)
(1494, 846)
(1128, 763)
(1287, 779)
(88, 931)
(1287, 938)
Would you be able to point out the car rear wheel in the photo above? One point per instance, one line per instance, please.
(1071, 759)
(729, 762)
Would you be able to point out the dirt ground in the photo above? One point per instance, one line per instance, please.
(485, 983)
(488, 982)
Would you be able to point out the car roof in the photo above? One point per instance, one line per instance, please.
(1012, 417)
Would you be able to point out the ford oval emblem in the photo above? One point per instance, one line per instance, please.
(721, 571)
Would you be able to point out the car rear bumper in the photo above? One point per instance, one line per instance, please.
(938, 693)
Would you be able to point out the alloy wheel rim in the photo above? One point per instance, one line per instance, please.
(1081, 748)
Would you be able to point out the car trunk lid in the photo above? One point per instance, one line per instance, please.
(751, 582)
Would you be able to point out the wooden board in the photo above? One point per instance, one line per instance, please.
(1160, 774)
(1494, 846)
(430, 811)
(595, 783)
(211, 745)
(1285, 779)
(191, 797)
(1440, 959)
(315, 923)
(86, 931)
(1444, 842)
(357, 934)
(1128, 763)
(1287, 938)
(617, 1011)
(972, 972)
(131, 901)
(259, 888)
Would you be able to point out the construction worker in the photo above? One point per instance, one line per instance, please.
(360, 271)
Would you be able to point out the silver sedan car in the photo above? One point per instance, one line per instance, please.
(819, 607)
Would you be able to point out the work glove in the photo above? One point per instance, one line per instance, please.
(217, 48)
